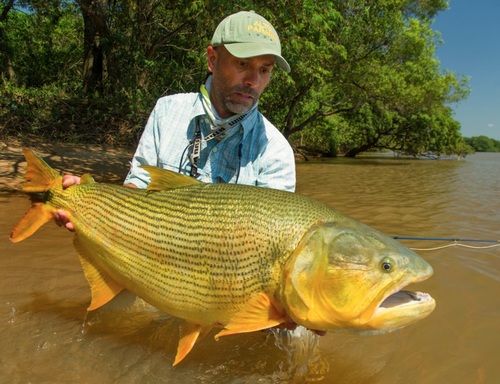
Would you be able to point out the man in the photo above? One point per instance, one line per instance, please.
(218, 135)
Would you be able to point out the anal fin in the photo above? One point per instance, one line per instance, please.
(259, 313)
(189, 334)
(103, 288)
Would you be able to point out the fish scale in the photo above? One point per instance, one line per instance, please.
(193, 267)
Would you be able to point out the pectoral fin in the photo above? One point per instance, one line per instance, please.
(260, 312)
(103, 288)
(189, 334)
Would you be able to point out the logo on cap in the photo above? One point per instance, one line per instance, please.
(264, 28)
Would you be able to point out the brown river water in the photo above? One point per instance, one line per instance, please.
(47, 337)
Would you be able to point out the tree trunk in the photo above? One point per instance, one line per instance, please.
(8, 70)
(356, 151)
(97, 44)
(93, 58)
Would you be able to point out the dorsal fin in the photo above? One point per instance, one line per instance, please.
(163, 179)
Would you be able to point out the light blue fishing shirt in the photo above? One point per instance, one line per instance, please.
(253, 152)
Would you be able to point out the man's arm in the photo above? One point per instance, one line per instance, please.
(277, 169)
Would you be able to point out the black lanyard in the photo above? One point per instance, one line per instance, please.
(197, 140)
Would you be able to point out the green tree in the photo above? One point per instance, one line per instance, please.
(373, 64)
(364, 75)
(483, 144)
(42, 43)
(136, 44)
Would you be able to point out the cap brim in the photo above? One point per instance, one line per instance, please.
(247, 50)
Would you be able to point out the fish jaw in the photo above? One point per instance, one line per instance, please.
(348, 276)
(399, 310)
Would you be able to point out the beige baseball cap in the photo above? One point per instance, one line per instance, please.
(246, 34)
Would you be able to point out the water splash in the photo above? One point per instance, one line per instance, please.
(303, 356)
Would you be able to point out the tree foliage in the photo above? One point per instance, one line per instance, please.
(483, 144)
(364, 73)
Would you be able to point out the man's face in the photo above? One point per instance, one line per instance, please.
(237, 83)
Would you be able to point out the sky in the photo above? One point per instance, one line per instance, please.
(470, 32)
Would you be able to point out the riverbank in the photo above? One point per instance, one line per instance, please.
(103, 162)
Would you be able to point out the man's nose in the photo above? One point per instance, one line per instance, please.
(252, 78)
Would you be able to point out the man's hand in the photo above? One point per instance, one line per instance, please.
(60, 217)
(62, 220)
(69, 180)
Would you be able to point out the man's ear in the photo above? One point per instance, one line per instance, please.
(211, 57)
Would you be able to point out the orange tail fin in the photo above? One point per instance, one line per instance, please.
(39, 179)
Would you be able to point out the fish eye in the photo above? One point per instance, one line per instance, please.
(386, 265)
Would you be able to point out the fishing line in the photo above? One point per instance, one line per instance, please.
(455, 245)
(444, 239)
(455, 242)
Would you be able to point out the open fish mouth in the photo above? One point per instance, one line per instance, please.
(400, 309)
(402, 298)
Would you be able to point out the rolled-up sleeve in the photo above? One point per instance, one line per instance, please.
(278, 166)
(268, 160)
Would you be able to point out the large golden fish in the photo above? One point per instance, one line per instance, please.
(231, 256)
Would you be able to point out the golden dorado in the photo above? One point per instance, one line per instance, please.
(236, 257)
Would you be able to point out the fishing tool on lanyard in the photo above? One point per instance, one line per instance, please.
(217, 133)
(198, 140)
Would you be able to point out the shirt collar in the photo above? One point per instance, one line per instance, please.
(200, 110)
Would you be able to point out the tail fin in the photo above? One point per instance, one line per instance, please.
(39, 178)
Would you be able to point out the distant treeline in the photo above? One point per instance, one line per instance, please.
(364, 72)
(483, 144)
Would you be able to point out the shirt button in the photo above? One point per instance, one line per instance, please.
(215, 149)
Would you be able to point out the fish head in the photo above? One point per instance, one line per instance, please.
(348, 276)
